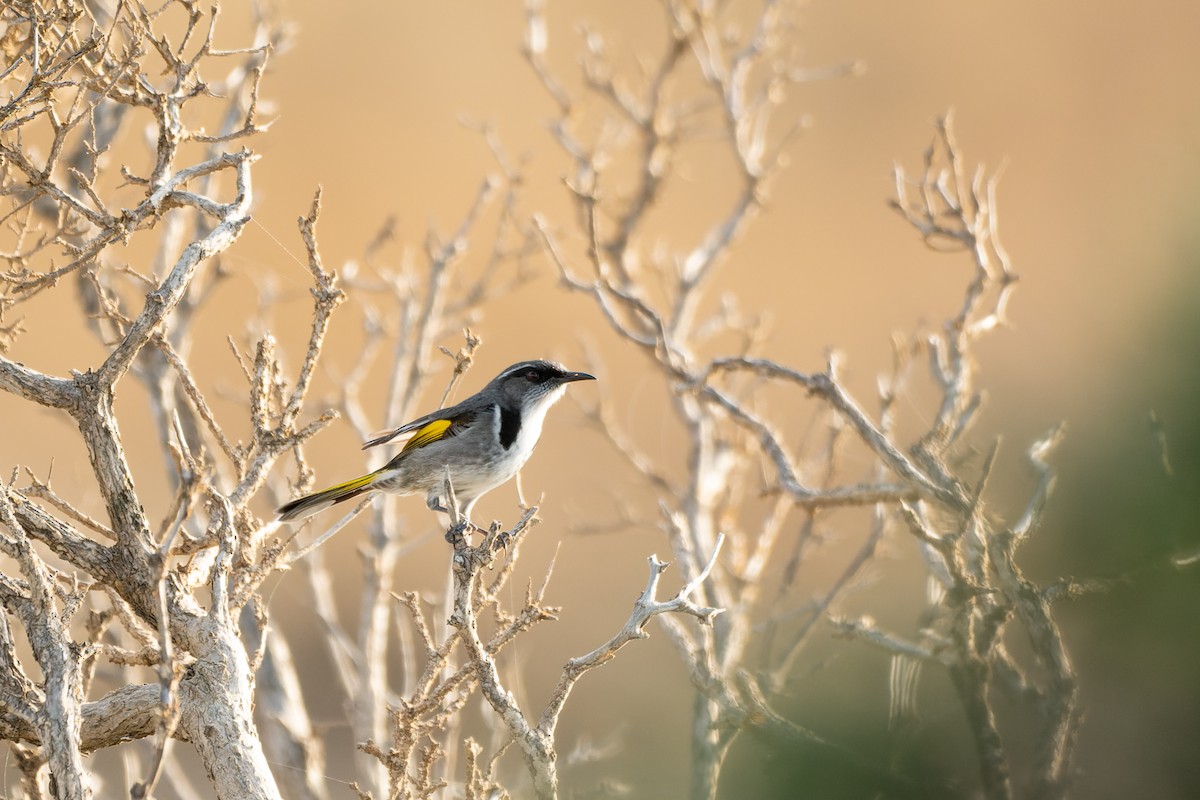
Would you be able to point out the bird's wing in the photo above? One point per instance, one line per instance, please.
(453, 414)
(429, 429)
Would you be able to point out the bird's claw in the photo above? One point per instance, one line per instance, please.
(501, 542)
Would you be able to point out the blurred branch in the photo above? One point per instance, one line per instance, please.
(732, 433)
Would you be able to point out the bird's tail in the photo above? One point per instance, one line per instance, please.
(312, 503)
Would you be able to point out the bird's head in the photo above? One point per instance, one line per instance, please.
(532, 384)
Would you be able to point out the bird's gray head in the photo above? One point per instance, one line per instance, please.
(529, 384)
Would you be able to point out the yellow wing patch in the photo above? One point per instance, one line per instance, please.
(427, 434)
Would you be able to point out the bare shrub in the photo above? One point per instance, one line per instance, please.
(82, 188)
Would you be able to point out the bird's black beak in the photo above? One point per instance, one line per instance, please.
(568, 377)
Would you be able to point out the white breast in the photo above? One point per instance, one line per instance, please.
(531, 424)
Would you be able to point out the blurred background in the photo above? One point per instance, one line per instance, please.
(1094, 117)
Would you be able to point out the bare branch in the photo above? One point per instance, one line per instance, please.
(645, 608)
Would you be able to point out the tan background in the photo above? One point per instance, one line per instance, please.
(1093, 107)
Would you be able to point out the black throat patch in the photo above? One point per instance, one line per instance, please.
(510, 426)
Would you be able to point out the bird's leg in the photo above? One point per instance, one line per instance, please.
(434, 502)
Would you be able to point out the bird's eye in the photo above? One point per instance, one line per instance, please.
(533, 376)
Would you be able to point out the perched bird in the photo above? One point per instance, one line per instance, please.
(483, 441)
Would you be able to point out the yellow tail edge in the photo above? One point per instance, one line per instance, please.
(318, 501)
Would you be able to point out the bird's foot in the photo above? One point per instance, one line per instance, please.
(501, 542)
(459, 531)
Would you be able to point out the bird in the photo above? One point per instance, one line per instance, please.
(481, 443)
